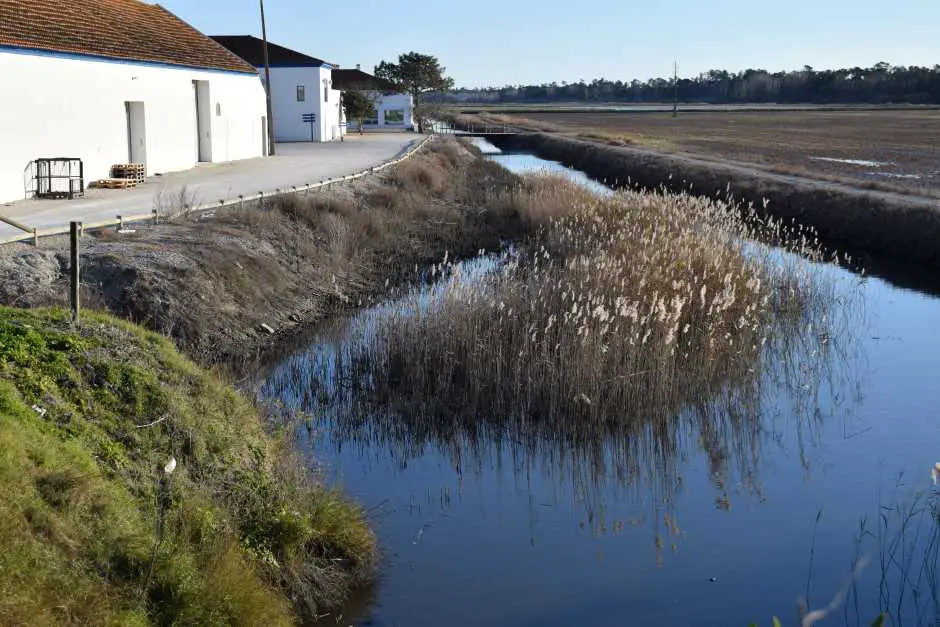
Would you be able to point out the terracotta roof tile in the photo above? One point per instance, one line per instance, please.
(118, 29)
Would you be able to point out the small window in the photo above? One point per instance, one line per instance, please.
(218, 109)
(326, 93)
(301, 93)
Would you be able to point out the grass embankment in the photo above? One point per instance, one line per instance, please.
(93, 528)
(210, 283)
(881, 226)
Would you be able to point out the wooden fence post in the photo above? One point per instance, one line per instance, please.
(74, 271)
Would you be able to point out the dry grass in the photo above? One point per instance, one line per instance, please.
(210, 283)
(884, 227)
(905, 143)
(622, 309)
(624, 334)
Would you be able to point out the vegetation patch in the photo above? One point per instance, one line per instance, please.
(867, 224)
(136, 488)
(211, 280)
(621, 324)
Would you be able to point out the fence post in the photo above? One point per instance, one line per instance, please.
(74, 271)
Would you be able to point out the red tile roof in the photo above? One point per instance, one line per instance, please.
(119, 29)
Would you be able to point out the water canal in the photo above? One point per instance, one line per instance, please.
(728, 525)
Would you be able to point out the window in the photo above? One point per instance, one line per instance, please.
(301, 93)
(218, 109)
(326, 93)
(395, 116)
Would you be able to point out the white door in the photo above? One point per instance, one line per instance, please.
(203, 120)
(136, 132)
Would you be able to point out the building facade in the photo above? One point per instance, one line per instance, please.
(393, 110)
(140, 87)
(306, 106)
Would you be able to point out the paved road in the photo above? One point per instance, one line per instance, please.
(295, 164)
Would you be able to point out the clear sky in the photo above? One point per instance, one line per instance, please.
(499, 42)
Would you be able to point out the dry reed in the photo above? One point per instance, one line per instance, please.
(621, 310)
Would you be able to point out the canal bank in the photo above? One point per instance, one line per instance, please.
(872, 225)
(228, 284)
(479, 529)
(714, 528)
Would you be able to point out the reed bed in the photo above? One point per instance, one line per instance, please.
(629, 332)
(620, 309)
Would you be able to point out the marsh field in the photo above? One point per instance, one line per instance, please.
(892, 149)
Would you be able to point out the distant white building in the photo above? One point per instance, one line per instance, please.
(306, 107)
(118, 81)
(394, 110)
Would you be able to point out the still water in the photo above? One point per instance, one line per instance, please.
(478, 534)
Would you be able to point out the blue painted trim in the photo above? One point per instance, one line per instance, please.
(39, 52)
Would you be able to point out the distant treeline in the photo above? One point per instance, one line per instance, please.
(879, 84)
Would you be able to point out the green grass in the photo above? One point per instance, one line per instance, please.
(95, 532)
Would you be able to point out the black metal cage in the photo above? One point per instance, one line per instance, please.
(59, 177)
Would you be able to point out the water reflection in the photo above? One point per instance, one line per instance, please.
(797, 382)
(704, 519)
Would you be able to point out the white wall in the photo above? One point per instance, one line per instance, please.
(330, 120)
(336, 102)
(398, 102)
(288, 112)
(58, 106)
(390, 102)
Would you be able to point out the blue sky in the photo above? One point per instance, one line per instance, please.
(498, 42)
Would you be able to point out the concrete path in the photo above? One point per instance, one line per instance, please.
(294, 165)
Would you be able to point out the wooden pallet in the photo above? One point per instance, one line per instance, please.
(132, 171)
(116, 183)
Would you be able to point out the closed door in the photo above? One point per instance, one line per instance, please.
(136, 132)
(203, 112)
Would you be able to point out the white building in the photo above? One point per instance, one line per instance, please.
(305, 105)
(118, 81)
(393, 109)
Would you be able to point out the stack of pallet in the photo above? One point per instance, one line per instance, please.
(130, 171)
(124, 176)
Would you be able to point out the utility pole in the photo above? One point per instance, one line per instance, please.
(267, 83)
(675, 89)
